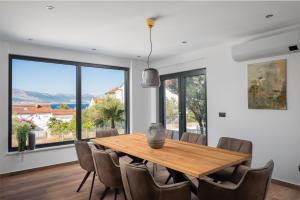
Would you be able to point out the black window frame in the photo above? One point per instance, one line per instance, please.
(182, 102)
(79, 66)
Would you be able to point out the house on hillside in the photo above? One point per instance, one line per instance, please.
(63, 114)
(117, 92)
(95, 101)
(40, 114)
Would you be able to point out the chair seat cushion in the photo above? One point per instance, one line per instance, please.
(223, 175)
(228, 184)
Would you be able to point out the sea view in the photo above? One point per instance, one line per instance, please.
(70, 105)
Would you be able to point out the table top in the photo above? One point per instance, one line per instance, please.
(191, 159)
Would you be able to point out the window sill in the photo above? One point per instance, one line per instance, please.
(40, 150)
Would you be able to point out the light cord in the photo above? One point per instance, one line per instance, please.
(150, 50)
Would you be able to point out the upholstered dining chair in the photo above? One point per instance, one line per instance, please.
(100, 133)
(85, 159)
(245, 183)
(194, 138)
(106, 132)
(140, 185)
(108, 170)
(169, 134)
(232, 144)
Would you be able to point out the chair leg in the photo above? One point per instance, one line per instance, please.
(92, 186)
(124, 193)
(104, 193)
(168, 179)
(83, 181)
(116, 193)
(154, 168)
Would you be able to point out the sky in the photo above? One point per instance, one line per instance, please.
(59, 78)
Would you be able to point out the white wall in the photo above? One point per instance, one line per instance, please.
(275, 134)
(138, 97)
(140, 101)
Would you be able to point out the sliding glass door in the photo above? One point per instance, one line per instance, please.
(195, 104)
(171, 104)
(183, 102)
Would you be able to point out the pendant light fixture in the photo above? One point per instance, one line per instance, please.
(150, 76)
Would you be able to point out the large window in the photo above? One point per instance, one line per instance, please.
(102, 100)
(46, 94)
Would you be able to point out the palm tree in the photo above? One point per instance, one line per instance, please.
(112, 110)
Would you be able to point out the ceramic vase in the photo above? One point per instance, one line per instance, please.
(156, 136)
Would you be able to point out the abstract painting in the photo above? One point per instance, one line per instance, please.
(267, 85)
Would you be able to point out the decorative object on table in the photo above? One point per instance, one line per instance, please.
(267, 83)
(31, 141)
(150, 76)
(22, 133)
(156, 136)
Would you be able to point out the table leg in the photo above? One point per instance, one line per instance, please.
(180, 177)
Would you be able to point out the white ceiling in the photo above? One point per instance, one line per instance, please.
(118, 29)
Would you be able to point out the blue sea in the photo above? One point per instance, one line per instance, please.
(70, 105)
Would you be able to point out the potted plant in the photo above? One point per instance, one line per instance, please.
(22, 133)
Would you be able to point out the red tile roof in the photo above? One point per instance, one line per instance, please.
(31, 109)
(113, 91)
(63, 112)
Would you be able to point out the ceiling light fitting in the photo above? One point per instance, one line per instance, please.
(269, 16)
(50, 7)
(150, 76)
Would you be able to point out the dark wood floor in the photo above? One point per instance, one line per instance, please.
(61, 183)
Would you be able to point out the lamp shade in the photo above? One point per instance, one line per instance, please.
(150, 78)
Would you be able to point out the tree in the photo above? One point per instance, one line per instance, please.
(58, 127)
(63, 106)
(112, 109)
(94, 115)
(87, 120)
(195, 97)
(171, 109)
(15, 123)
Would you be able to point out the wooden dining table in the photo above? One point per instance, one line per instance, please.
(181, 157)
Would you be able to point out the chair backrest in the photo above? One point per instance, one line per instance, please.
(106, 168)
(138, 183)
(193, 138)
(238, 145)
(84, 155)
(255, 184)
(106, 133)
(169, 134)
